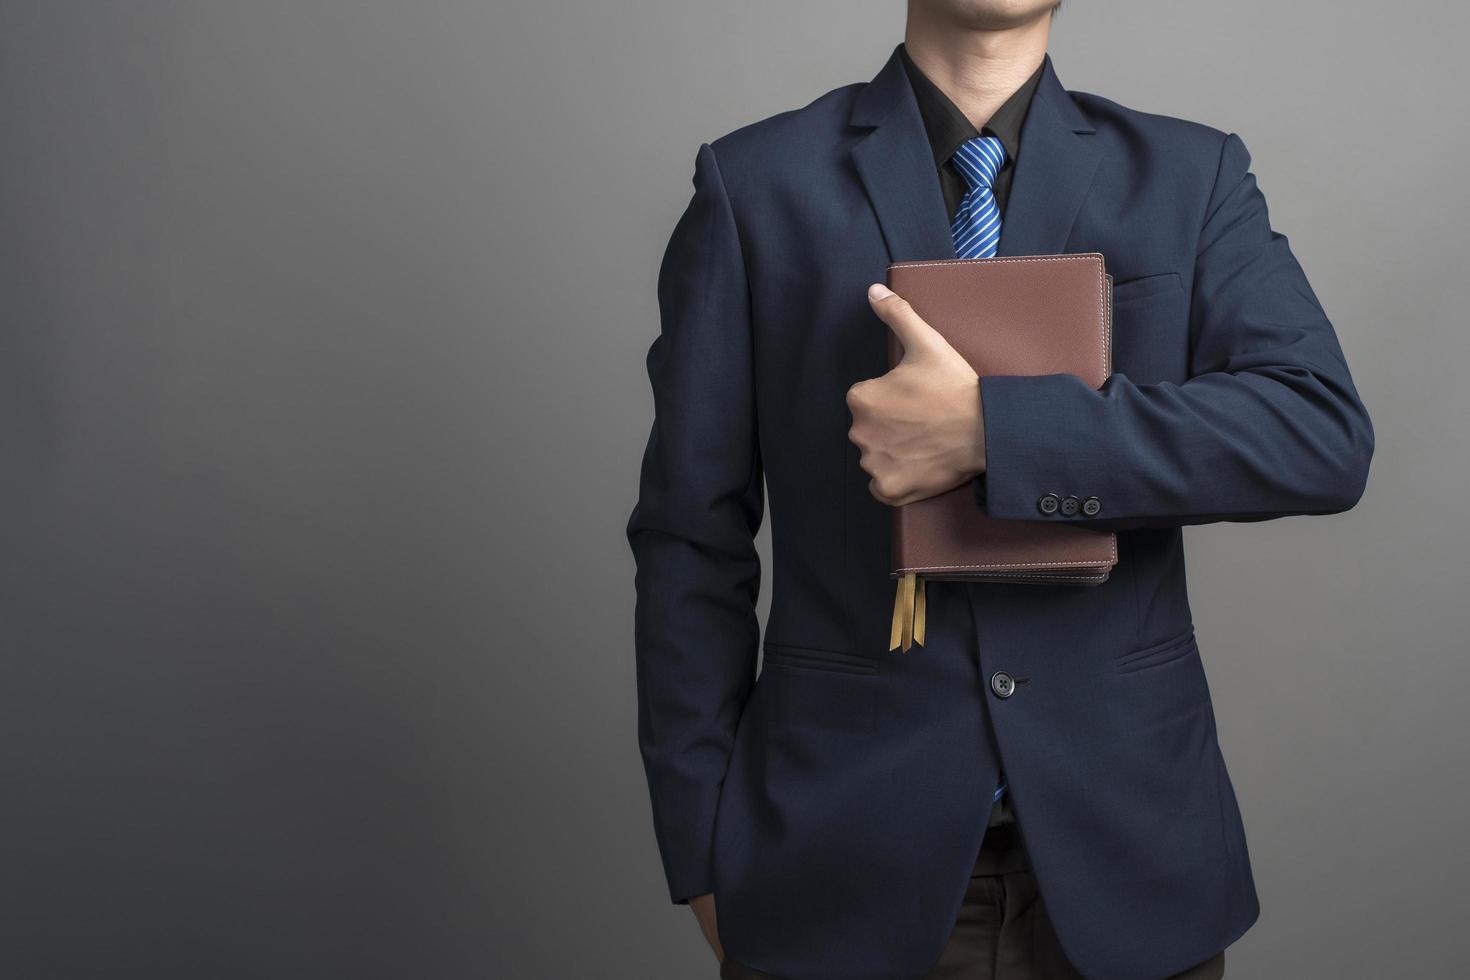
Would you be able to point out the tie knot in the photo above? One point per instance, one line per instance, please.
(978, 160)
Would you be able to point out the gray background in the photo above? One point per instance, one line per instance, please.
(321, 400)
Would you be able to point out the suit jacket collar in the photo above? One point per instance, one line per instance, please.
(1053, 170)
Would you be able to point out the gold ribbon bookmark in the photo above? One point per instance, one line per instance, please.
(908, 613)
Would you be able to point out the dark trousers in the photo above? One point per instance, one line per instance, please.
(1002, 931)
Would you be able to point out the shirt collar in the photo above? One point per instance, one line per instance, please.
(948, 127)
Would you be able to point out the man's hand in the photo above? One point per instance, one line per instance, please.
(919, 426)
(704, 912)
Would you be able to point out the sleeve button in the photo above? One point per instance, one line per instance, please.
(1091, 506)
(1048, 503)
(1070, 505)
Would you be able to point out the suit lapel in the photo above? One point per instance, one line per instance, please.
(896, 167)
(1052, 173)
(1054, 169)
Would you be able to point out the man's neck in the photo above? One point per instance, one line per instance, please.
(977, 69)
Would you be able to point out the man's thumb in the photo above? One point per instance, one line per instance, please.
(913, 333)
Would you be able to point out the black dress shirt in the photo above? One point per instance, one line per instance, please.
(948, 128)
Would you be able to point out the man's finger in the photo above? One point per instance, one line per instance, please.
(913, 333)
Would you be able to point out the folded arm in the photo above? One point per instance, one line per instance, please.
(1268, 424)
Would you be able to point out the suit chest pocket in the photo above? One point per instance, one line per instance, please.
(1151, 329)
(1139, 287)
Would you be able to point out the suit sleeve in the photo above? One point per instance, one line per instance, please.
(700, 504)
(1268, 423)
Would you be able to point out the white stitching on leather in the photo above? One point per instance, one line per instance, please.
(1093, 257)
(1020, 564)
(1097, 260)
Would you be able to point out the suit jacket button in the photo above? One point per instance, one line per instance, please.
(1047, 504)
(1091, 506)
(1003, 684)
(1070, 505)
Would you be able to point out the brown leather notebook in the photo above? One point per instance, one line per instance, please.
(1025, 314)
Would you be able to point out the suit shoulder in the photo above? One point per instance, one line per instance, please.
(784, 141)
(1155, 127)
(1185, 147)
(778, 131)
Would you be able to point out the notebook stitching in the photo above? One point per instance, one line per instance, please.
(1055, 575)
(1018, 577)
(1112, 548)
(1102, 290)
(1103, 343)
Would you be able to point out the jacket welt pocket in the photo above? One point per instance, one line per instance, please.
(813, 658)
(1130, 289)
(1170, 648)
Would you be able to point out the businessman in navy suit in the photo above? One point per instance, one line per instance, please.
(1038, 790)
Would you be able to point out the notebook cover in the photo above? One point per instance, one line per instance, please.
(1028, 315)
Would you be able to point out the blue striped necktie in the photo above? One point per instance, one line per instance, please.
(976, 225)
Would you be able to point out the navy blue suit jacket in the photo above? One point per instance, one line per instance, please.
(834, 802)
